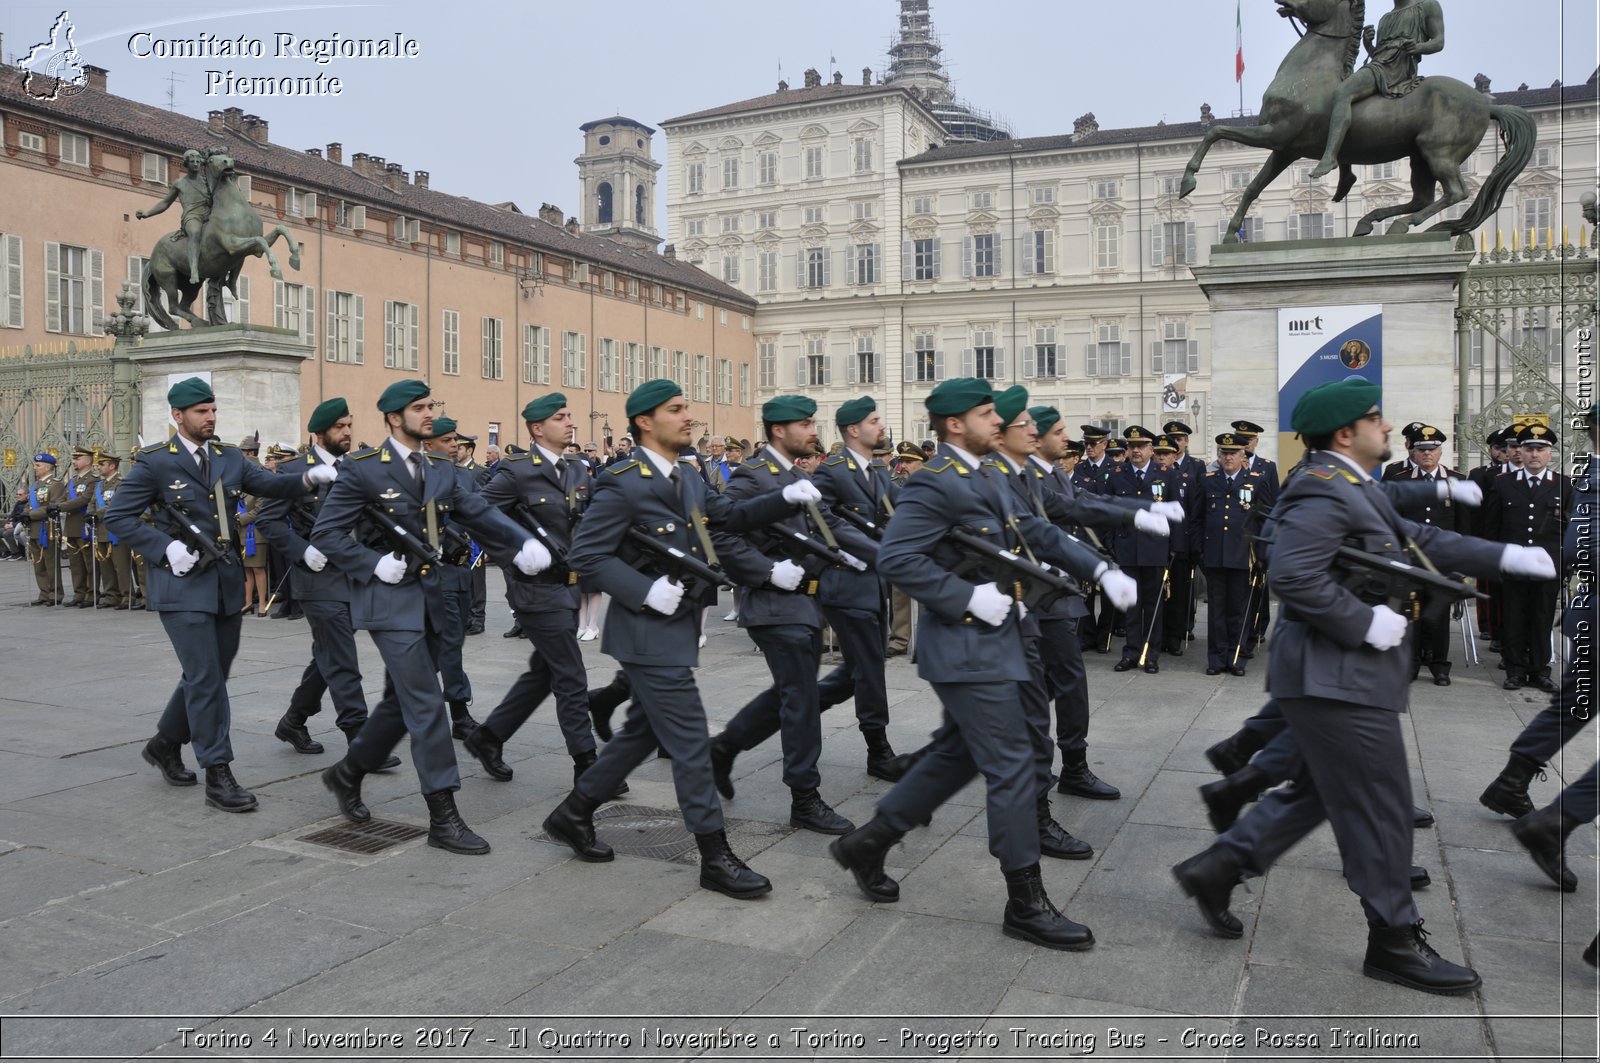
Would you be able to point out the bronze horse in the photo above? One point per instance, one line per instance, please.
(1437, 125)
(232, 233)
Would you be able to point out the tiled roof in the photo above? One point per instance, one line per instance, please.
(140, 123)
(786, 98)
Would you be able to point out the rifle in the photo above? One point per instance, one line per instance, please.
(418, 553)
(680, 566)
(187, 532)
(1411, 590)
(866, 525)
(525, 515)
(1037, 584)
(797, 546)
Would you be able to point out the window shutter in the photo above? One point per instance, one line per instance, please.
(1189, 243)
(827, 370)
(97, 294)
(308, 205)
(52, 286)
(877, 263)
(1048, 239)
(1327, 225)
(1127, 358)
(800, 268)
(280, 313)
(333, 325)
(999, 363)
(1194, 357)
(966, 361)
(850, 254)
(1027, 362)
(1091, 360)
(389, 353)
(909, 360)
(800, 370)
(1025, 254)
(1157, 255)
(851, 362)
(361, 341)
(242, 301)
(358, 217)
(413, 336)
(1155, 358)
(936, 250)
(999, 254)
(309, 314)
(938, 364)
(966, 256)
(11, 282)
(1222, 229)
(1294, 226)
(827, 266)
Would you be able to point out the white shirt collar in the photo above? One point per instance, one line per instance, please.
(323, 455)
(783, 463)
(1045, 465)
(963, 455)
(401, 449)
(553, 459)
(193, 448)
(1350, 462)
(664, 466)
(1146, 467)
(864, 464)
(1526, 475)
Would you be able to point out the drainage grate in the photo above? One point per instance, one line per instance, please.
(373, 836)
(659, 833)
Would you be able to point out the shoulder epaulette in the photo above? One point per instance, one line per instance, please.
(1321, 472)
(153, 447)
(753, 463)
(1213, 472)
(434, 458)
(944, 462)
(310, 458)
(837, 459)
(516, 457)
(623, 466)
(358, 455)
(220, 443)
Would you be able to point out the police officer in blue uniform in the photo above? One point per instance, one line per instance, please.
(1178, 618)
(400, 600)
(652, 627)
(462, 559)
(195, 483)
(970, 648)
(1529, 507)
(1222, 520)
(1143, 555)
(779, 611)
(1431, 646)
(1271, 484)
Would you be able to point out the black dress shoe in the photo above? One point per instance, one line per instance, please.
(1152, 668)
(1127, 664)
(1237, 669)
(224, 793)
(1174, 650)
(297, 736)
(1544, 683)
(572, 823)
(861, 852)
(343, 781)
(1054, 840)
(1419, 877)
(1511, 683)
(723, 753)
(1420, 817)
(1403, 956)
(1209, 878)
(1031, 917)
(808, 811)
(487, 748)
(447, 830)
(1213, 671)
(514, 633)
(163, 753)
(474, 629)
(723, 871)
(1494, 645)
(1544, 834)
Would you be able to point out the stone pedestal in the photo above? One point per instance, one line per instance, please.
(1413, 277)
(254, 371)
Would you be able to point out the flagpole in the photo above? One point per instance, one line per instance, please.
(1238, 54)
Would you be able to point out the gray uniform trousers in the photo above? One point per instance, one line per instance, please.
(410, 705)
(555, 667)
(1062, 649)
(791, 652)
(1354, 775)
(197, 711)
(334, 667)
(456, 581)
(666, 711)
(1557, 723)
(863, 642)
(1035, 697)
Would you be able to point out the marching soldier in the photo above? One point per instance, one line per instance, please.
(1529, 508)
(908, 459)
(195, 486)
(1222, 519)
(113, 560)
(465, 457)
(44, 528)
(653, 629)
(1089, 478)
(778, 609)
(386, 500)
(972, 651)
(1432, 643)
(77, 532)
(1143, 555)
(457, 583)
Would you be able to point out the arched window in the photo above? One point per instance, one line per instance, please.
(603, 196)
(638, 204)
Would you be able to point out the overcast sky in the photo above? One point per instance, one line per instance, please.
(491, 106)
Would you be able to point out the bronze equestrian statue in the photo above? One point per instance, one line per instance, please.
(1320, 107)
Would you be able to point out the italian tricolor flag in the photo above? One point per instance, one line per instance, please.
(1238, 38)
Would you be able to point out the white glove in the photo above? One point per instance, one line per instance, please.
(315, 559)
(853, 561)
(1173, 511)
(180, 559)
(1122, 590)
(532, 559)
(391, 568)
(786, 575)
(664, 596)
(1529, 562)
(989, 604)
(1148, 520)
(1387, 630)
(802, 491)
(321, 474)
(1464, 492)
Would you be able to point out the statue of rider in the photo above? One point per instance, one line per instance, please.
(195, 191)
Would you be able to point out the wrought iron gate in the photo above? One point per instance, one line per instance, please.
(56, 397)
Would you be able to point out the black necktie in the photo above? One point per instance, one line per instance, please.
(418, 475)
(203, 456)
(677, 485)
(1138, 474)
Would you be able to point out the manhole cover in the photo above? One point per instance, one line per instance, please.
(373, 836)
(659, 833)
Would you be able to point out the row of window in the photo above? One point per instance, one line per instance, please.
(763, 172)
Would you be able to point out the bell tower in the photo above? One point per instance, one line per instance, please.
(617, 181)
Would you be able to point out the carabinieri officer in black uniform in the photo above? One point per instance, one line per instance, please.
(969, 647)
(1223, 516)
(398, 598)
(195, 485)
(652, 627)
(1145, 556)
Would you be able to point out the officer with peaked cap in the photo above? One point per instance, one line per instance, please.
(1530, 508)
(1143, 555)
(114, 558)
(195, 486)
(45, 497)
(1443, 509)
(1222, 519)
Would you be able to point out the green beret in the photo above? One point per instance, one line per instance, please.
(544, 406)
(442, 426)
(1330, 407)
(191, 392)
(1044, 417)
(782, 408)
(855, 411)
(400, 394)
(649, 395)
(1010, 403)
(956, 396)
(327, 414)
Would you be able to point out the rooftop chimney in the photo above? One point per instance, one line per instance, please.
(1085, 125)
(214, 120)
(550, 213)
(783, 86)
(1206, 117)
(866, 75)
(315, 153)
(813, 79)
(97, 76)
(670, 251)
(420, 178)
(336, 152)
(572, 226)
(838, 77)
(255, 127)
(361, 163)
(394, 177)
(233, 118)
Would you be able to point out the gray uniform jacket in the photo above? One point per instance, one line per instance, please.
(1319, 648)
(555, 492)
(844, 486)
(635, 494)
(167, 473)
(289, 534)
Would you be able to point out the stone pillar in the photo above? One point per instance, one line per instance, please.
(254, 371)
(1412, 276)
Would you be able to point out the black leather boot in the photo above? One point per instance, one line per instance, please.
(447, 830)
(861, 852)
(1225, 798)
(604, 701)
(881, 760)
(461, 721)
(486, 747)
(1419, 877)
(1508, 794)
(1544, 834)
(1590, 954)
(1403, 956)
(723, 753)
(343, 781)
(808, 811)
(223, 792)
(1421, 817)
(391, 761)
(1441, 673)
(1209, 878)
(572, 822)
(1053, 837)
(161, 752)
(294, 732)
(1235, 751)
(724, 872)
(581, 763)
(1031, 917)
(1077, 779)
